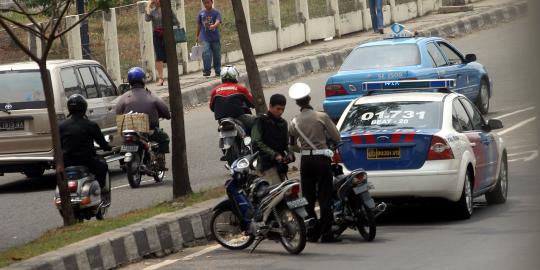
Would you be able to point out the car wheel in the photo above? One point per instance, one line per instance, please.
(500, 192)
(482, 102)
(464, 207)
(34, 172)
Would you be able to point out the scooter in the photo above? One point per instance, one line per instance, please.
(234, 142)
(85, 193)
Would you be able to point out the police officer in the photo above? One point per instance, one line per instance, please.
(315, 131)
(77, 135)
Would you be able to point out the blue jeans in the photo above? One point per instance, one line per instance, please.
(211, 53)
(375, 8)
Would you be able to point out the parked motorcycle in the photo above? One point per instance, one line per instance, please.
(141, 158)
(353, 206)
(234, 141)
(255, 211)
(85, 193)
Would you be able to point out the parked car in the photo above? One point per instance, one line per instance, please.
(406, 57)
(430, 145)
(25, 136)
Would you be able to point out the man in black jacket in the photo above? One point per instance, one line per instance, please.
(78, 135)
(270, 137)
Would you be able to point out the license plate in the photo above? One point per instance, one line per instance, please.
(230, 133)
(360, 189)
(383, 153)
(129, 148)
(297, 203)
(12, 125)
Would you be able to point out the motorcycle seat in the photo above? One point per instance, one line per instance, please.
(339, 180)
(76, 172)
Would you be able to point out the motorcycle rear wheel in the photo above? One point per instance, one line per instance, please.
(225, 227)
(294, 237)
(366, 223)
(133, 172)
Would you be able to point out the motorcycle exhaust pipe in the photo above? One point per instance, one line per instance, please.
(380, 208)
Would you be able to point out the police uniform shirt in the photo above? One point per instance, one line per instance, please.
(316, 126)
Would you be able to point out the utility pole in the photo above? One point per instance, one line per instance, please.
(249, 58)
(181, 184)
(85, 39)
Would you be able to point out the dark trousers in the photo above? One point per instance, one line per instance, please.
(97, 166)
(316, 179)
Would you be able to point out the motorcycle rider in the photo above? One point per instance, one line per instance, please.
(231, 99)
(140, 100)
(315, 131)
(77, 135)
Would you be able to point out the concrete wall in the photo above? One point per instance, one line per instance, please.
(351, 22)
(322, 27)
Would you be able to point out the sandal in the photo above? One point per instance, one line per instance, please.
(160, 82)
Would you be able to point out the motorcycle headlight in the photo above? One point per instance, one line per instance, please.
(242, 164)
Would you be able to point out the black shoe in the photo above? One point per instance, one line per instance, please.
(223, 158)
(313, 239)
(206, 74)
(381, 31)
(218, 74)
(330, 240)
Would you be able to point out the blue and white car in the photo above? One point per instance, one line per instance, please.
(402, 58)
(424, 145)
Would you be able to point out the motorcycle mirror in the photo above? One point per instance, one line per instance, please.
(247, 140)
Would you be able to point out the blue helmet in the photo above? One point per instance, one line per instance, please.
(136, 75)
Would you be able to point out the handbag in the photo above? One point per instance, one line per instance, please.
(196, 52)
(179, 34)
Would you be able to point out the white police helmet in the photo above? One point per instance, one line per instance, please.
(299, 91)
(229, 73)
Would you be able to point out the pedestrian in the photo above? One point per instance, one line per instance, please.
(315, 131)
(208, 22)
(153, 13)
(270, 137)
(377, 21)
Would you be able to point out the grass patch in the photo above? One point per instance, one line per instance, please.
(60, 237)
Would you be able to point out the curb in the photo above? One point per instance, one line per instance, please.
(284, 72)
(168, 233)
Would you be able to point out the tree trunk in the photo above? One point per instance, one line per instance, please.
(67, 210)
(249, 58)
(181, 184)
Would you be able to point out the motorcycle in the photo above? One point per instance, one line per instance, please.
(85, 194)
(234, 141)
(353, 206)
(140, 158)
(255, 211)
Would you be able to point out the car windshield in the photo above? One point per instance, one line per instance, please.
(21, 87)
(395, 115)
(384, 56)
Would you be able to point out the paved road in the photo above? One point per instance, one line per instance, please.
(496, 237)
(26, 205)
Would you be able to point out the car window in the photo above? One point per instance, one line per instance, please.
(89, 83)
(21, 89)
(383, 56)
(460, 118)
(397, 114)
(476, 118)
(436, 54)
(70, 82)
(105, 86)
(453, 57)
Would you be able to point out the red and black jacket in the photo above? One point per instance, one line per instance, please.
(230, 100)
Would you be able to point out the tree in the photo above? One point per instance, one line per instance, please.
(181, 185)
(249, 58)
(48, 32)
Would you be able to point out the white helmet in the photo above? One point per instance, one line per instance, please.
(299, 91)
(229, 73)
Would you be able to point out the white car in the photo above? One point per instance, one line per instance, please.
(414, 143)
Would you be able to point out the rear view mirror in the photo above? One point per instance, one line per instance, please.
(495, 124)
(124, 87)
(470, 58)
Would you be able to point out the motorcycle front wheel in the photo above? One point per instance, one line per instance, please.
(293, 236)
(133, 172)
(225, 227)
(365, 223)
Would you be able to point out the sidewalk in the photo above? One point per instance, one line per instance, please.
(321, 56)
(169, 233)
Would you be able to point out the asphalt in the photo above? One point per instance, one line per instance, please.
(423, 237)
(26, 204)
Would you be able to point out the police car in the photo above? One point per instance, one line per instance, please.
(405, 56)
(414, 143)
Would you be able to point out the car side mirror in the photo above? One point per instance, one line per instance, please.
(470, 58)
(124, 87)
(494, 124)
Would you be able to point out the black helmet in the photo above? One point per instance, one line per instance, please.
(77, 104)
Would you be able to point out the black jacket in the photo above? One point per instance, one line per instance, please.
(270, 137)
(77, 135)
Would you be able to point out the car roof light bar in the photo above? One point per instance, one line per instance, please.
(443, 85)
